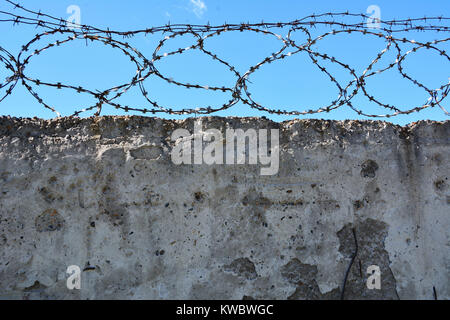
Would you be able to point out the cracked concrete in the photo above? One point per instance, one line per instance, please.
(103, 194)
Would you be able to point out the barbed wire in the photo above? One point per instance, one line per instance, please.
(145, 67)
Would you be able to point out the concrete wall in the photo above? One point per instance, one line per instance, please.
(104, 194)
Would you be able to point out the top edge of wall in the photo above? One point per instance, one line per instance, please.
(143, 119)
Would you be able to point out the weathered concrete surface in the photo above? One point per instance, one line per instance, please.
(103, 194)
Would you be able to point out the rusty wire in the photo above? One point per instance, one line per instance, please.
(145, 67)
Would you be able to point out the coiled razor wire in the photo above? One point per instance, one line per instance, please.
(240, 92)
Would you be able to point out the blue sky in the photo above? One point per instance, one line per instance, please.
(293, 84)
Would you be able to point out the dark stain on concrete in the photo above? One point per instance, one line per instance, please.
(49, 220)
(440, 185)
(256, 200)
(328, 205)
(369, 169)
(49, 196)
(371, 235)
(295, 271)
(116, 156)
(109, 205)
(146, 152)
(243, 267)
(36, 287)
(358, 204)
(256, 205)
(303, 276)
(151, 198)
(199, 196)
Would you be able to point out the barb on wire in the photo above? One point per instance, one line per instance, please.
(337, 23)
